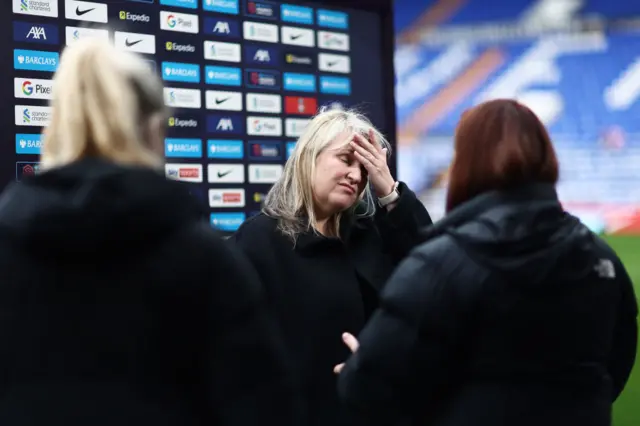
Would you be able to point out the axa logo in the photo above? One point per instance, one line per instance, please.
(37, 33)
(221, 27)
(225, 125)
(262, 55)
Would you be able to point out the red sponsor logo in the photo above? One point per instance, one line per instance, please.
(189, 173)
(231, 197)
(299, 105)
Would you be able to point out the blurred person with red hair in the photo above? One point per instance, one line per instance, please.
(511, 312)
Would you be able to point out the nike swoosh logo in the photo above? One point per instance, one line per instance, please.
(83, 12)
(223, 174)
(295, 37)
(333, 63)
(219, 101)
(133, 43)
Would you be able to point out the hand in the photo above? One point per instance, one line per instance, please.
(374, 159)
(352, 343)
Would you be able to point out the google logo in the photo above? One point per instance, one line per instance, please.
(171, 21)
(27, 89)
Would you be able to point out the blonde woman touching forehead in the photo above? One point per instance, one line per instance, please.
(332, 230)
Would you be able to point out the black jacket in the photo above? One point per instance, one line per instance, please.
(120, 306)
(323, 287)
(511, 313)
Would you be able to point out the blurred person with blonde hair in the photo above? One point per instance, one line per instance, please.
(332, 230)
(119, 305)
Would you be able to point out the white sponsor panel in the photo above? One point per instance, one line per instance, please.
(179, 22)
(135, 42)
(264, 126)
(184, 172)
(32, 88)
(223, 100)
(260, 32)
(86, 11)
(225, 173)
(264, 173)
(75, 34)
(29, 115)
(226, 197)
(333, 41)
(296, 126)
(36, 7)
(334, 63)
(298, 36)
(222, 51)
(258, 102)
(182, 98)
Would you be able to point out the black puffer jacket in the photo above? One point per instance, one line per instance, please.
(511, 313)
(120, 306)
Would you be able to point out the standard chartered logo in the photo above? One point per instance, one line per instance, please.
(134, 17)
(172, 46)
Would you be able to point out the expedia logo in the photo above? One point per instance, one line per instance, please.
(298, 58)
(134, 17)
(172, 46)
(183, 123)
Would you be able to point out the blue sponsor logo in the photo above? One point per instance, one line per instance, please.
(177, 71)
(35, 33)
(222, 76)
(28, 143)
(225, 123)
(35, 60)
(227, 149)
(182, 148)
(222, 27)
(333, 19)
(232, 7)
(188, 4)
(262, 55)
(299, 82)
(290, 148)
(228, 222)
(335, 85)
(296, 14)
(259, 150)
(262, 79)
(261, 9)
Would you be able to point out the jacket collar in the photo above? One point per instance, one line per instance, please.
(478, 205)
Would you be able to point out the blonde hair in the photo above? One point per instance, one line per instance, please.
(103, 101)
(291, 199)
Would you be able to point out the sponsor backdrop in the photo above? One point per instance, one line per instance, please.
(242, 79)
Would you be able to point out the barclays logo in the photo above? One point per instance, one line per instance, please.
(35, 60)
(231, 7)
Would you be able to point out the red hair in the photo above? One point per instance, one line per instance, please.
(500, 144)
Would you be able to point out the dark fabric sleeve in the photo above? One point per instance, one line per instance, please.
(399, 227)
(625, 340)
(407, 350)
(252, 381)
